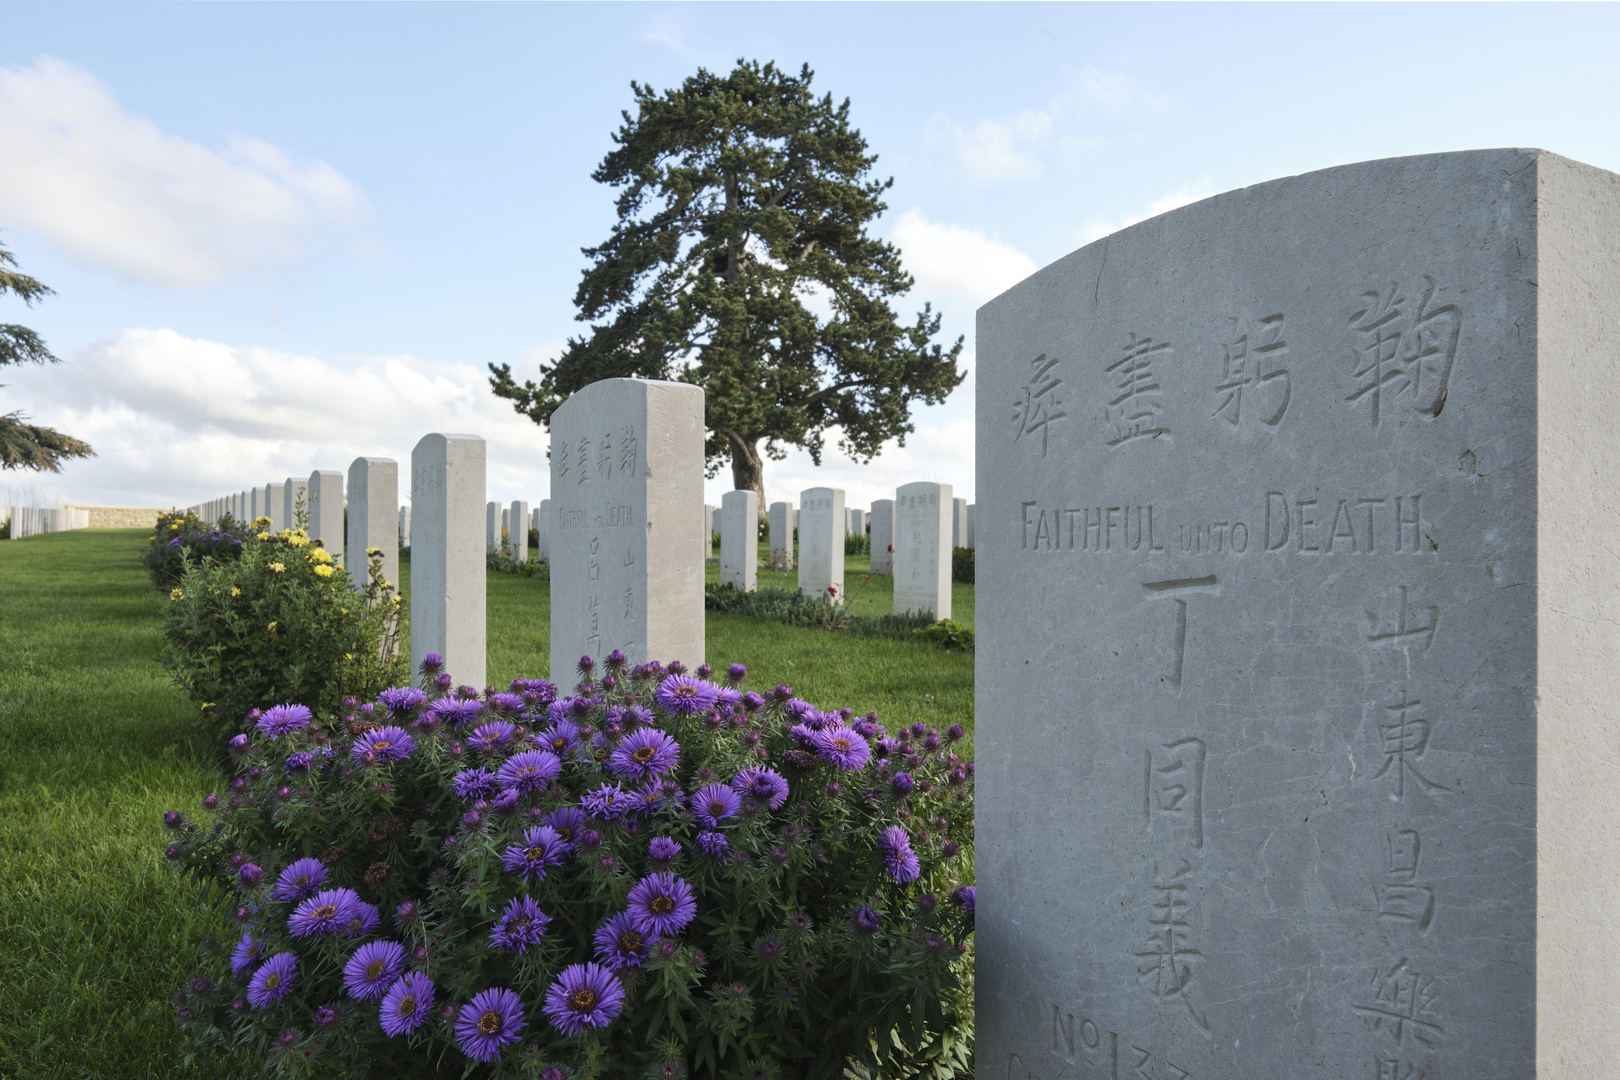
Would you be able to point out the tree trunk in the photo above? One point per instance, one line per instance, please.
(747, 467)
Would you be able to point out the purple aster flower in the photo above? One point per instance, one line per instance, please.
(583, 996)
(663, 851)
(493, 736)
(530, 771)
(803, 737)
(432, 663)
(491, 1020)
(728, 697)
(737, 673)
(522, 924)
(898, 857)
(299, 881)
(661, 905)
(568, 821)
(299, 762)
(619, 943)
(401, 701)
(323, 913)
(685, 696)
(798, 711)
(284, 720)
(541, 849)
(610, 802)
(902, 783)
(373, 967)
(843, 748)
(644, 754)
(967, 896)
(506, 704)
(363, 919)
(325, 1016)
(766, 785)
(866, 920)
(473, 784)
(713, 845)
(455, 712)
(246, 953)
(249, 875)
(407, 1003)
(561, 737)
(714, 803)
(272, 981)
(386, 743)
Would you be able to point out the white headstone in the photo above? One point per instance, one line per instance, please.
(857, 522)
(739, 539)
(544, 552)
(821, 542)
(294, 500)
(970, 526)
(326, 512)
(958, 523)
(922, 549)
(373, 518)
(883, 537)
(537, 517)
(404, 526)
(517, 529)
(447, 555)
(492, 526)
(849, 522)
(255, 503)
(708, 531)
(273, 508)
(781, 517)
(626, 571)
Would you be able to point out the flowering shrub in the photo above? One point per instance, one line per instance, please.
(179, 537)
(279, 623)
(658, 876)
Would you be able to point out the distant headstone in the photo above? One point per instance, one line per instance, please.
(739, 540)
(447, 555)
(857, 522)
(326, 512)
(821, 541)
(544, 526)
(970, 526)
(626, 491)
(781, 529)
(708, 531)
(517, 529)
(958, 523)
(255, 503)
(295, 500)
(1296, 673)
(849, 522)
(404, 526)
(922, 549)
(883, 537)
(273, 508)
(373, 518)
(492, 526)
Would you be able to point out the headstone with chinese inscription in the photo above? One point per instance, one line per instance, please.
(781, 529)
(922, 549)
(517, 529)
(821, 542)
(1296, 660)
(448, 604)
(326, 512)
(739, 540)
(883, 537)
(626, 489)
(373, 518)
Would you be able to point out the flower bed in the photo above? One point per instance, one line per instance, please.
(182, 539)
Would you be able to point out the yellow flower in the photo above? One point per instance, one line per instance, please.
(261, 522)
(235, 591)
(277, 567)
(396, 601)
(323, 571)
(319, 555)
(264, 536)
(373, 552)
(206, 706)
(176, 594)
(344, 610)
(272, 628)
(348, 656)
(176, 525)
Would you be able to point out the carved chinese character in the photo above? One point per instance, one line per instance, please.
(1165, 959)
(628, 450)
(604, 456)
(1039, 404)
(1405, 742)
(1404, 353)
(1174, 779)
(1394, 621)
(583, 460)
(1133, 413)
(1400, 896)
(1404, 1002)
(1254, 363)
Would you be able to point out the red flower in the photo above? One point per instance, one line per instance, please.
(832, 590)
(891, 548)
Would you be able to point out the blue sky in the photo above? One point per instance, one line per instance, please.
(283, 236)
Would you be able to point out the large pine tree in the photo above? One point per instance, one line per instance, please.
(740, 262)
(24, 445)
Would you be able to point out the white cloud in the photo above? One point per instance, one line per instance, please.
(175, 420)
(993, 150)
(949, 260)
(1097, 228)
(116, 192)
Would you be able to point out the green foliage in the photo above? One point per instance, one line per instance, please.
(772, 973)
(24, 445)
(743, 208)
(962, 565)
(180, 537)
(501, 562)
(952, 635)
(857, 544)
(281, 623)
(796, 609)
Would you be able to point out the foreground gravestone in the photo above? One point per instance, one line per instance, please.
(1295, 663)
(821, 542)
(295, 501)
(883, 537)
(781, 530)
(447, 555)
(518, 529)
(543, 526)
(922, 549)
(326, 512)
(739, 540)
(626, 488)
(373, 518)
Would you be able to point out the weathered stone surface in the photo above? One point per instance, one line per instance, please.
(922, 549)
(518, 529)
(1296, 650)
(781, 527)
(447, 555)
(326, 512)
(739, 540)
(626, 492)
(883, 537)
(821, 541)
(294, 500)
(373, 517)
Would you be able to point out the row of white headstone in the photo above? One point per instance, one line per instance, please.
(38, 520)
(501, 534)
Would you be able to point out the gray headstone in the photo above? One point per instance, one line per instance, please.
(492, 526)
(708, 531)
(273, 507)
(849, 522)
(922, 549)
(781, 517)
(821, 541)
(447, 555)
(739, 540)
(1296, 672)
(626, 489)
(544, 553)
(857, 522)
(883, 537)
(255, 503)
(958, 523)
(517, 529)
(404, 526)
(294, 500)
(326, 512)
(970, 526)
(373, 518)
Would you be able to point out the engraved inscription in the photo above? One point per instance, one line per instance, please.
(1404, 1004)
(1177, 590)
(1405, 741)
(1150, 1066)
(628, 453)
(1401, 897)
(1165, 959)
(1173, 786)
(582, 461)
(1039, 404)
(1399, 1069)
(1393, 621)
(1404, 352)
(1255, 355)
(1135, 412)
(604, 457)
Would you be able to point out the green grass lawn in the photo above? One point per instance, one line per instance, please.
(95, 931)
(869, 593)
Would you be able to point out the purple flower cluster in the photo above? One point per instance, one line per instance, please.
(686, 696)
(522, 924)
(385, 744)
(372, 969)
(766, 785)
(280, 720)
(898, 858)
(492, 1019)
(583, 996)
(661, 905)
(530, 771)
(541, 849)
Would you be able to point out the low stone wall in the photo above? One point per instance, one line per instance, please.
(122, 517)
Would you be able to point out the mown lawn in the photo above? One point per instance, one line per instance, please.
(95, 931)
